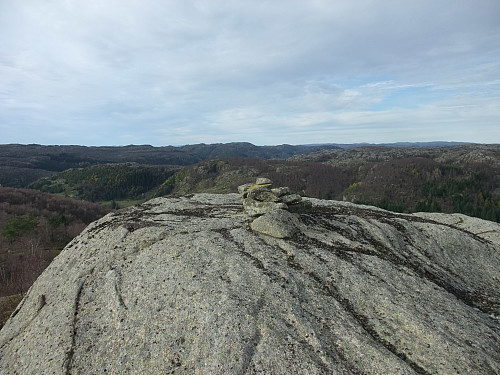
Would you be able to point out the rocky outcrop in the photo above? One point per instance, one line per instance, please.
(185, 286)
(277, 223)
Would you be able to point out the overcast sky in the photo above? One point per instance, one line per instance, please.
(118, 72)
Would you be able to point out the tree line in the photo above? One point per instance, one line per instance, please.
(106, 182)
(406, 184)
(34, 227)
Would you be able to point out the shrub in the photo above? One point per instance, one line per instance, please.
(18, 226)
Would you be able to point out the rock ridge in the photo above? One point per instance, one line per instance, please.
(188, 285)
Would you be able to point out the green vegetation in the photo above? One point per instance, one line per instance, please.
(106, 182)
(468, 195)
(34, 227)
(354, 187)
(428, 205)
(450, 187)
(18, 226)
(168, 186)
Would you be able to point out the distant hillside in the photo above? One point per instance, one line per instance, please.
(471, 153)
(106, 182)
(225, 175)
(402, 144)
(22, 164)
(34, 227)
(459, 178)
(463, 179)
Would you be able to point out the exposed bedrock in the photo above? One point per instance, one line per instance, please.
(185, 286)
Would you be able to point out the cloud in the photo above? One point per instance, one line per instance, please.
(293, 71)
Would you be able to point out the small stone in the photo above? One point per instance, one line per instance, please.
(278, 223)
(280, 191)
(41, 302)
(291, 198)
(263, 181)
(256, 208)
(262, 195)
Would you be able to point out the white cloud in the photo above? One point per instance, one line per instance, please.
(267, 72)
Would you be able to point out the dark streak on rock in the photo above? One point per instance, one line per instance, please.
(471, 298)
(117, 289)
(68, 362)
(331, 290)
(249, 351)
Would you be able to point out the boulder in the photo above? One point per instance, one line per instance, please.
(185, 286)
(262, 195)
(243, 189)
(277, 223)
(263, 181)
(261, 185)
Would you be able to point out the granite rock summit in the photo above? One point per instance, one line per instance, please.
(185, 286)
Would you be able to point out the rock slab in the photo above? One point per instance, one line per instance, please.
(184, 286)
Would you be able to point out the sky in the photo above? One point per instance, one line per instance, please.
(120, 72)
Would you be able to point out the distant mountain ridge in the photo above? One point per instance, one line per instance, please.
(400, 144)
(23, 164)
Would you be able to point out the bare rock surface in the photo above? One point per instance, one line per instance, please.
(185, 286)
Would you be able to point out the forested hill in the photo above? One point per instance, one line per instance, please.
(464, 179)
(106, 182)
(23, 164)
(34, 227)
